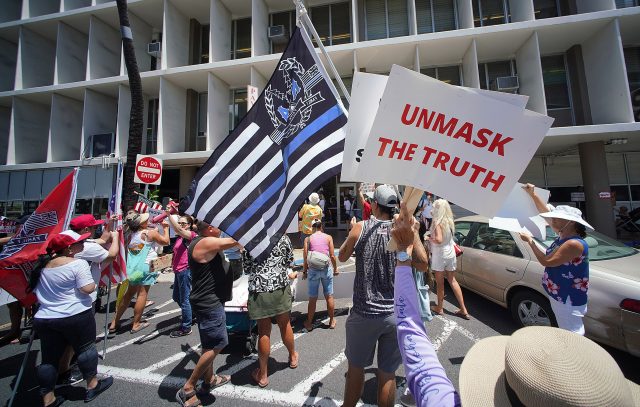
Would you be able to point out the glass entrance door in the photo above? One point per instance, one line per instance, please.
(346, 191)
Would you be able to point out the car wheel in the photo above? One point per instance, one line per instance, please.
(531, 309)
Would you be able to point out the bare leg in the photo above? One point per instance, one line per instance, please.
(286, 332)
(386, 389)
(331, 311)
(457, 291)
(15, 315)
(439, 291)
(141, 301)
(204, 367)
(353, 386)
(122, 307)
(264, 347)
(311, 310)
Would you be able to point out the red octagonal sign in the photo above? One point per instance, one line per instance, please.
(148, 170)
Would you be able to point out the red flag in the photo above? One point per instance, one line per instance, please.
(20, 253)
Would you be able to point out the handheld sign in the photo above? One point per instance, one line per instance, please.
(464, 146)
(148, 170)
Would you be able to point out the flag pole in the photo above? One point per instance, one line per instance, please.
(303, 17)
(22, 366)
(106, 317)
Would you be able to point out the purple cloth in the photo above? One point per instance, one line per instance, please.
(426, 377)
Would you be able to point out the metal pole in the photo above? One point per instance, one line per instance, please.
(106, 317)
(304, 17)
(21, 371)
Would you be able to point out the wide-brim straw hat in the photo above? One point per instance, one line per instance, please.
(567, 212)
(543, 366)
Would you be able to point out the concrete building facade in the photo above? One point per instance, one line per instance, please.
(64, 96)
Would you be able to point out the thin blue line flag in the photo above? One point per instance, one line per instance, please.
(288, 144)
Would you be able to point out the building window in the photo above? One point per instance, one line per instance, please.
(436, 15)
(237, 107)
(632, 60)
(546, 9)
(385, 19)
(333, 23)
(201, 137)
(204, 44)
(151, 142)
(447, 74)
(490, 12)
(241, 38)
(556, 90)
(286, 19)
(489, 73)
(627, 3)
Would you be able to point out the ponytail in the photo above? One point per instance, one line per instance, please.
(34, 276)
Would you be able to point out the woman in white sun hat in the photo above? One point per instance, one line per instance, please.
(536, 366)
(566, 262)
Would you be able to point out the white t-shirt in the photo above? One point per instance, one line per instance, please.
(94, 254)
(426, 212)
(347, 206)
(58, 290)
(321, 204)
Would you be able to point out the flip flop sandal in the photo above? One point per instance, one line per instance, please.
(113, 331)
(462, 315)
(291, 365)
(436, 311)
(183, 398)
(254, 376)
(58, 401)
(142, 326)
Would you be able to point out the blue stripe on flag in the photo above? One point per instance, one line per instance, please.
(306, 133)
(253, 208)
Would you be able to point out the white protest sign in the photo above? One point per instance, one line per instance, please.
(6, 298)
(148, 170)
(366, 92)
(466, 147)
(519, 213)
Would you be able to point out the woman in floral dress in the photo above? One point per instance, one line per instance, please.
(566, 261)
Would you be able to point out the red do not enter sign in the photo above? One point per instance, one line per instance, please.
(148, 170)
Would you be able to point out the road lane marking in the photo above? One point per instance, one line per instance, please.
(449, 326)
(231, 391)
(171, 359)
(305, 385)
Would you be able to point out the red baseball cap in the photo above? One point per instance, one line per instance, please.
(84, 221)
(63, 240)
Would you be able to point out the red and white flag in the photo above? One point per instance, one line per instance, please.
(21, 252)
(144, 204)
(119, 264)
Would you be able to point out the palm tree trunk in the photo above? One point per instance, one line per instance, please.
(136, 122)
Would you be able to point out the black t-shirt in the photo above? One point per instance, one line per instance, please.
(210, 284)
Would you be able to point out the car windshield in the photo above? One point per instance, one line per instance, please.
(601, 247)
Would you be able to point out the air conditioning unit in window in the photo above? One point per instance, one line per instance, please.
(278, 34)
(507, 83)
(102, 144)
(154, 49)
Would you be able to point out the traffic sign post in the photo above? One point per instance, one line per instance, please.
(148, 170)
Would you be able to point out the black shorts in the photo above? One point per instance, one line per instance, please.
(212, 324)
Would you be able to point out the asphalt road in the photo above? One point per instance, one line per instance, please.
(149, 367)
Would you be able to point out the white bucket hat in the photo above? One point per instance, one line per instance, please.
(543, 366)
(567, 212)
(314, 199)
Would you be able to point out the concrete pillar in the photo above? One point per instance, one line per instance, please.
(186, 176)
(595, 178)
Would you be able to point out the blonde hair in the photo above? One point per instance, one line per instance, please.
(442, 215)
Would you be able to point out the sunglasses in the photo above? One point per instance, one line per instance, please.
(182, 223)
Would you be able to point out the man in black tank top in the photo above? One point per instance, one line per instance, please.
(210, 288)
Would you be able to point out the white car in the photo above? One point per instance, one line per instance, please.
(499, 266)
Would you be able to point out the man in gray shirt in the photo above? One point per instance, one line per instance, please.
(371, 322)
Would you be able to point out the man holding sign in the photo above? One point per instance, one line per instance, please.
(371, 322)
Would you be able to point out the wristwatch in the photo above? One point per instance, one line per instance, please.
(403, 256)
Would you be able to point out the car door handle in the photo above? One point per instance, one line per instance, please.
(511, 270)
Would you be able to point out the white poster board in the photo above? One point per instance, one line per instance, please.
(366, 92)
(519, 213)
(6, 298)
(461, 145)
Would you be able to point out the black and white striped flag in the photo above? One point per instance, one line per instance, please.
(287, 145)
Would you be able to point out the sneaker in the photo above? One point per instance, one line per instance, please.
(69, 378)
(103, 384)
(179, 333)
